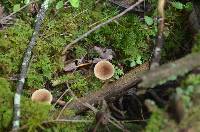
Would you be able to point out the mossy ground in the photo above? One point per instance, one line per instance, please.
(129, 37)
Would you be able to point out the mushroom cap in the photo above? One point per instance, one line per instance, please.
(104, 70)
(42, 95)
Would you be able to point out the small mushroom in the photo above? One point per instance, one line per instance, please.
(104, 70)
(42, 95)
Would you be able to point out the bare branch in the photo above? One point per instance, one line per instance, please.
(110, 91)
(100, 25)
(13, 13)
(25, 65)
(159, 42)
(170, 71)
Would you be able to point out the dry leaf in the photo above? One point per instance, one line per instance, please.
(106, 54)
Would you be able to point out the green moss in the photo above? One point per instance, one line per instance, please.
(6, 102)
(80, 51)
(80, 84)
(192, 119)
(176, 35)
(13, 44)
(156, 122)
(67, 127)
(192, 79)
(33, 114)
(128, 37)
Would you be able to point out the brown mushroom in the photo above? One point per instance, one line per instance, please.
(42, 95)
(104, 70)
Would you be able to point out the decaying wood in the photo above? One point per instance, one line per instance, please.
(149, 79)
(170, 71)
(111, 90)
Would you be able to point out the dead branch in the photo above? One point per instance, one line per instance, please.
(154, 77)
(159, 41)
(170, 71)
(25, 65)
(100, 25)
(13, 13)
(111, 90)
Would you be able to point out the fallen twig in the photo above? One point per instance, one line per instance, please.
(13, 13)
(25, 64)
(64, 108)
(149, 79)
(110, 91)
(109, 117)
(60, 97)
(170, 71)
(159, 42)
(68, 120)
(100, 25)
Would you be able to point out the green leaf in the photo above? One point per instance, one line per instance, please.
(188, 6)
(26, 2)
(16, 7)
(132, 64)
(74, 3)
(148, 20)
(177, 5)
(59, 4)
(139, 61)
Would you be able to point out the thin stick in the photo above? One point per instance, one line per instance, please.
(25, 64)
(64, 108)
(13, 13)
(60, 97)
(160, 42)
(129, 121)
(100, 25)
(117, 124)
(67, 120)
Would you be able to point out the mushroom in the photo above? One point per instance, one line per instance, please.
(42, 95)
(104, 70)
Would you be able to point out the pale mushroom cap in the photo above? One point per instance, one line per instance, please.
(42, 95)
(104, 70)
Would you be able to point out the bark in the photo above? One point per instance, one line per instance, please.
(146, 79)
(195, 16)
(110, 90)
(25, 65)
(170, 71)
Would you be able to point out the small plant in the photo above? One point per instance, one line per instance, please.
(148, 20)
(80, 51)
(156, 121)
(181, 6)
(132, 62)
(74, 3)
(185, 94)
(118, 72)
(33, 114)
(6, 97)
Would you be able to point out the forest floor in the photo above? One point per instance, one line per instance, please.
(152, 47)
